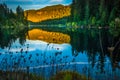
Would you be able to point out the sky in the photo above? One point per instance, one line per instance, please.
(33, 4)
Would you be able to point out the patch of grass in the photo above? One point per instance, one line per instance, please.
(62, 75)
(69, 75)
(6, 75)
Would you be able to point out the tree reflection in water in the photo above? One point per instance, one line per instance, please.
(96, 43)
(93, 42)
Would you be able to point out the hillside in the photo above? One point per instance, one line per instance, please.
(47, 13)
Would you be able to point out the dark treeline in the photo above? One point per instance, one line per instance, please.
(98, 14)
(9, 18)
(11, 25)
(95, 12)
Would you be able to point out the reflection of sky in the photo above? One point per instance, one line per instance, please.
(33, 4)
(49, 54)
(60, 51)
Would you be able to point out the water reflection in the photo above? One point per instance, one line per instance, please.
(9, 35)
(43, 58)
(87, 54)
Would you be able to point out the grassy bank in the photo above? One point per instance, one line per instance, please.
(63, 75)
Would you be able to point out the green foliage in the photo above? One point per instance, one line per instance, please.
(67, 77)
(11, 25)
(101, 7)
(103, 18)
(8, 18)
(87, 11)
(93, 21)
(94, 12)
(112, 15)
(115, 27)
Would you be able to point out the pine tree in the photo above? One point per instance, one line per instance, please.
(87, 11)
(20, 14)
(73, 11)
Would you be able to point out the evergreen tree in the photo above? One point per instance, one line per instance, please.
(87, 11)
(20, 14)
(99, 12)
(101, 7)
(81, 9)
(11, 14)
(73, 11)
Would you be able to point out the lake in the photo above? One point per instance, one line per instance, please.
(86, 53)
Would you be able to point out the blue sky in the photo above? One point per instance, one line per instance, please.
(33, 4)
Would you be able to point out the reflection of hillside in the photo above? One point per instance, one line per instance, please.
(51, 37)
(49, 12)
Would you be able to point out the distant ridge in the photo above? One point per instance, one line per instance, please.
(48, 12)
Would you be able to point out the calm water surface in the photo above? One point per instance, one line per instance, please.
(86, 54)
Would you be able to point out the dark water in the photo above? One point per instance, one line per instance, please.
(86, 54)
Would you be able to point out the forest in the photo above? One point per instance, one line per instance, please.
(12, 25)
(83, 14)
(9, 18)
(94, 12)
(91, 14)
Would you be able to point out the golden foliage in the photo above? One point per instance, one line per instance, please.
(51, 37)
(49, 12)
